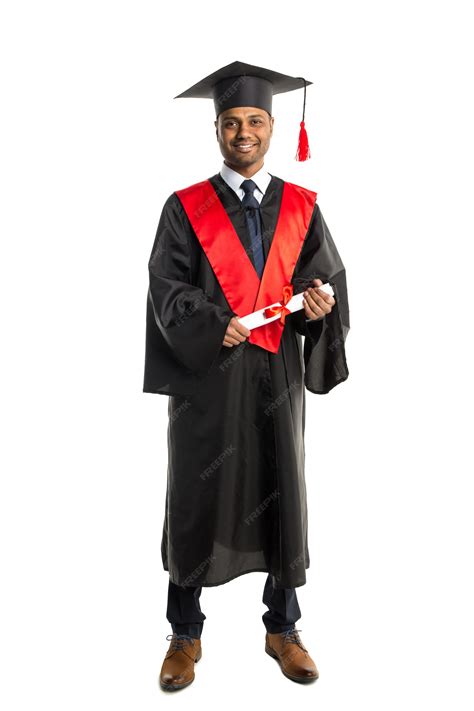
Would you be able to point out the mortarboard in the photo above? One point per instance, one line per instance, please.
(240, 84)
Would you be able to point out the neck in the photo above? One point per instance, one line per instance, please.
(245, 171)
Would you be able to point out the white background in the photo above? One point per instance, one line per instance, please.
(92, 145)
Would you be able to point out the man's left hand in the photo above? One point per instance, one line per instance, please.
(317, 303)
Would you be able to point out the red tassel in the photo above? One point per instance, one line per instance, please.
(303, 152)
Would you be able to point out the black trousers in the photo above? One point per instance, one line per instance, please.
(186, 617)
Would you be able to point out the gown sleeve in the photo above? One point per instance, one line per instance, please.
(192, 325)
(324, 345)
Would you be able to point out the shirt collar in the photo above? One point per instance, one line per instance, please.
(233, 179)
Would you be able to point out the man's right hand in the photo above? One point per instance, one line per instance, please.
(236, 333)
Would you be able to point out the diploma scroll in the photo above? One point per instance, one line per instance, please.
(258, 318)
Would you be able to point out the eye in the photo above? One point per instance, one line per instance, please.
(257, 121)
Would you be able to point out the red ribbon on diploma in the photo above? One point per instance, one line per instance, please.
(281, 309)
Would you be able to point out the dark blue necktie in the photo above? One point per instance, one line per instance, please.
(254, 224)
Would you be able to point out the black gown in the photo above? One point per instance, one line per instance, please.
(236, 494)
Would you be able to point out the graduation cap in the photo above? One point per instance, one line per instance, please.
(240, 84)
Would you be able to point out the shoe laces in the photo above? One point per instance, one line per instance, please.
(179, 640)
(292, 636)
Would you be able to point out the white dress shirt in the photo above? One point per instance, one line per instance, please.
(234, 181)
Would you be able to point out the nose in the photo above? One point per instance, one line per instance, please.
(243, 131)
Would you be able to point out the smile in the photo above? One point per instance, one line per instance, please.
(245, 147)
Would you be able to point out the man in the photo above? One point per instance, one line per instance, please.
(236, 495)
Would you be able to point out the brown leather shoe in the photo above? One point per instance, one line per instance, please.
(293, 658)
(177, 670)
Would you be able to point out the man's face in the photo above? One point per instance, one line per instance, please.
(244, 135)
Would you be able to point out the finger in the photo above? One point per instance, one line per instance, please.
(314, 304)
(322, 299)
(316, 292)
(327, 297)
(310, 311)
(240, 328)
(307, 310)
(229, 341)
(317, 282)
(234, 333)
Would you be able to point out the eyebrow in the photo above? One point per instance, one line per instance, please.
(236, 117)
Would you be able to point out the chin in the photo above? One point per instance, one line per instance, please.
(246, 159)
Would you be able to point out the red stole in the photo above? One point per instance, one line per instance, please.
(244, 290)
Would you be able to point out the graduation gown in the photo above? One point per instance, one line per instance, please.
(236, 495)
